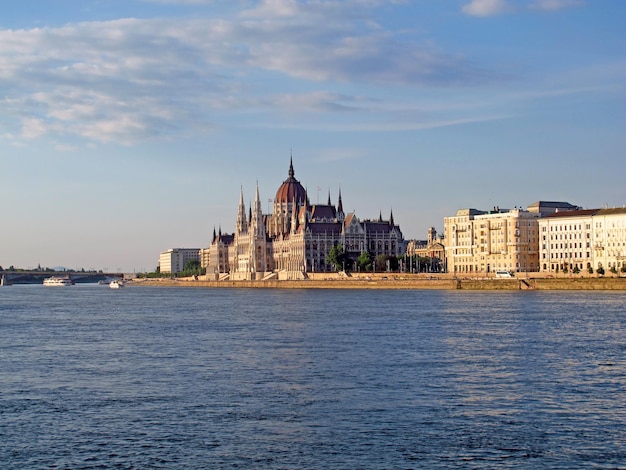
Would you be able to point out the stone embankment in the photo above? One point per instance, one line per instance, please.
(441, 282)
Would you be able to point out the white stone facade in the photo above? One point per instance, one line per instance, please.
(175, 259)
(482, 242)
(583, 240)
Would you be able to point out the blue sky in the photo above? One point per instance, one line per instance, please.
(129, 127)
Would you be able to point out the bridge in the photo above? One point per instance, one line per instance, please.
(36, 277)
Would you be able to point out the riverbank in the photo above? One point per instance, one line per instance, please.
(437, 282)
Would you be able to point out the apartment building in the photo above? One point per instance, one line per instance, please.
(609, 239)
(175, 259)
(481, 242)
(566, 241)
(583, 240)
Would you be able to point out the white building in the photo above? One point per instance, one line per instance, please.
(609, 239)
(481, 242)
(566, 241)
(175, 259)
(581, 240)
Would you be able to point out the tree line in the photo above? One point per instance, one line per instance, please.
(366, 262)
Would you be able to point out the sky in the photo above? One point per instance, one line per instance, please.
(130, 127)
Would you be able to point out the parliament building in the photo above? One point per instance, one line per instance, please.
(295, 238)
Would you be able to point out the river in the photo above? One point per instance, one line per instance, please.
(148, 377)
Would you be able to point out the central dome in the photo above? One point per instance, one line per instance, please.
(290, 190)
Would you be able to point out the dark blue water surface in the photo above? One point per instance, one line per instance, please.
(216, 378)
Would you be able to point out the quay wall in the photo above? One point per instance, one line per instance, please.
(384, 282)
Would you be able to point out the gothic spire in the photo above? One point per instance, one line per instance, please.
(291, 172)
(256, 216)
(339, 203)
(242, 222)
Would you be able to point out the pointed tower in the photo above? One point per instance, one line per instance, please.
(391, 219)
(291, 190)
(258, 240)
(329, 203)
(256, 216)
(340, 213)
(294, 217)
(242, 222)
(214, 236)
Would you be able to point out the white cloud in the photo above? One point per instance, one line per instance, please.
(272, 8)
(553, 5)
(486, 7)
(130, 80)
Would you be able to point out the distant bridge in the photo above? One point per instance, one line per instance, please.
(37, 277)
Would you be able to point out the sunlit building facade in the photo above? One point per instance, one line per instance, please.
(583, 241)
(296, 237)
(481, 242)
(175, 259)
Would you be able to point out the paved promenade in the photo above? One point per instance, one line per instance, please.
(398, 281)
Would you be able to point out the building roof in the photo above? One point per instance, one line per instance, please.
(378, 227)
(551, 206)
(323, 212)
(291, 190)
(324, 227)
(572, 213)
(612, 211)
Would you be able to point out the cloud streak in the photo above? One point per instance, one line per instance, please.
(486, 8)
(128, 80)
(131, 80)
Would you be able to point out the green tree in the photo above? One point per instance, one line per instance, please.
(192, 267)
(364, 261)
(381, 262)
(600, 270)
(337, 258)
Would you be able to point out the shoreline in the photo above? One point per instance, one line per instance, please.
(401, 283)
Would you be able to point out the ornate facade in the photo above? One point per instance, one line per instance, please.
(432, 248)
(487, 241)
(295, 238)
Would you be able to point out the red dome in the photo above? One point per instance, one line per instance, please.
(290, 190)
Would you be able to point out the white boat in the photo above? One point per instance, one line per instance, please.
(116, 285)
(56, 281)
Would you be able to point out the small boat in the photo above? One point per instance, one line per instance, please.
(56, 281)
(116, 285)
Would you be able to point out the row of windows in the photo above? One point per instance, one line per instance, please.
(556, 246)
(555, 228)
(565, 255)
(571, 235)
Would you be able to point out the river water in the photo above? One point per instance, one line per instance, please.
(190, 378)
